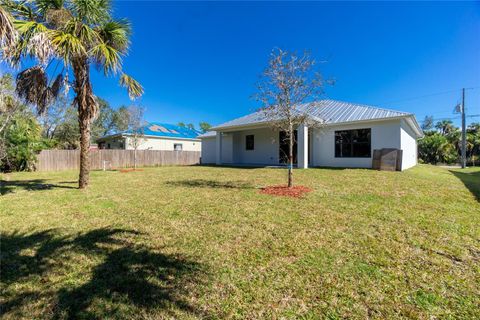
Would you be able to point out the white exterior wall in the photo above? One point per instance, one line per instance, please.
(408, 145)
(385, 134)
(265, 147)
(209, 149)
(152, 143)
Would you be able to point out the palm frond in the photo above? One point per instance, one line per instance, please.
(19, 9)
(46, 5)
(66, 44)
(56, 86)
(92, 11)
(107, 58)
(134, 88)
(116, 34)
(31, 86)
(8, 34)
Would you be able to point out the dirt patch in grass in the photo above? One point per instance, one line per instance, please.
(129, 170)
(294, 192)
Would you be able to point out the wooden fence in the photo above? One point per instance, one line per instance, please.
(56, 160)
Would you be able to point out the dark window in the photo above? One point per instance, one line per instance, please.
(108, 146)
(177, 147)
(250, 142)
(353, 143)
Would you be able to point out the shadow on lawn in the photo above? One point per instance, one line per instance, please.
(7, 186)
(130, 278)
(203, 183)
(471, 180)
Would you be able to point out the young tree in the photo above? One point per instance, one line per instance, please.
(204, 126)
(77, 33)
(136, 126)
(287, 92)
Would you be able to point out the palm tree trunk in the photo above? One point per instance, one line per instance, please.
(87, 108)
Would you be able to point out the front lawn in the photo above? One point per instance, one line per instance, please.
(202, 242)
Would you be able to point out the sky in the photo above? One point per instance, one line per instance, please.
(199, 61)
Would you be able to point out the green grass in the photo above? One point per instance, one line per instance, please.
(201, 242)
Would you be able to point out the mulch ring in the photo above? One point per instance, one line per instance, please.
(294, 192)
(129, 170)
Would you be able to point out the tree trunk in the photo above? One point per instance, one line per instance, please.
(290, 158)
(135, 159)
(87, 109)
(84, 176)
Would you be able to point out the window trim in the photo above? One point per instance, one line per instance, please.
(178, 144)
(247, 144)
(352, 144)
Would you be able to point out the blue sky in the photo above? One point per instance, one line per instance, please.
(199, 61)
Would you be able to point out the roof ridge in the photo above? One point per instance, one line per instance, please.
(367, 106)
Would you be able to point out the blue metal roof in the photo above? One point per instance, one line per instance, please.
(159, 129)
(169, 130)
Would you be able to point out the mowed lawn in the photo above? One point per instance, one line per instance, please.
(202, 242)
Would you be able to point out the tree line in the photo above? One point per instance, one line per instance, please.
(24, 132)
(442, 142)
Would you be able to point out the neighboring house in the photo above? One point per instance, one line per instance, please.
(156, 136)
(347, 138)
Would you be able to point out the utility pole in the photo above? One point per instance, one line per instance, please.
(464, 133)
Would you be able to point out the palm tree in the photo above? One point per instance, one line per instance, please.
(79, 33)
(445, 126)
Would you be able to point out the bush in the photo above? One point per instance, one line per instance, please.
(21, 142)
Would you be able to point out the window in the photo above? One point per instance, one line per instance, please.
(250, 142)
(108, 145)
(177, 147)
(353, 143)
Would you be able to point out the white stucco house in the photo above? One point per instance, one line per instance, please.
(347, 138)
(156, 136)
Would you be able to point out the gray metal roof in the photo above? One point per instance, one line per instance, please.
(327, 111)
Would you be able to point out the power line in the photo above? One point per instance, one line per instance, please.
(427, 95)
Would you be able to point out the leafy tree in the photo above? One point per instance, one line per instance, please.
(427, 123)
(204, 126)
(182, 125)
(9, 104)
(67, 135)
(78, 33)
(435, 148)
(445, 126)
(191, 126)
(289, 82)
(22, 141)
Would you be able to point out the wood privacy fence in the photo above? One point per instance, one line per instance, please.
(56, 160)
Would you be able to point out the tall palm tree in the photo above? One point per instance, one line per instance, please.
(79, 33)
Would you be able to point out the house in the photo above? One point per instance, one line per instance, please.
(156, 136)
(349, 134)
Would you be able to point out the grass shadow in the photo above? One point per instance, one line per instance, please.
(129, 279)
(471, 180)
(8, 186)
(204, 183)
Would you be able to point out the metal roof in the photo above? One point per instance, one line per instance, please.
(159, 129)
(327, 111)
